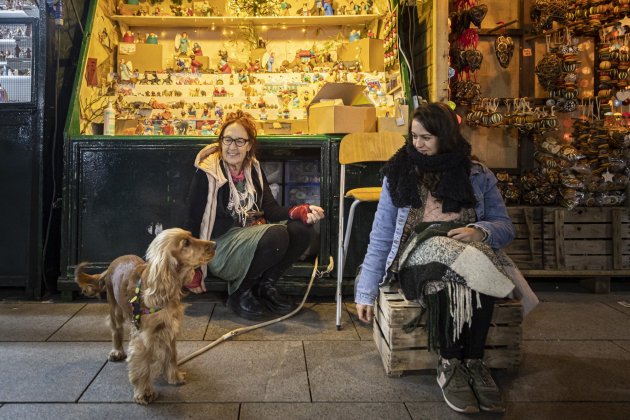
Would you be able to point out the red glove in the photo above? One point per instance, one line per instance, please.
(300, 213)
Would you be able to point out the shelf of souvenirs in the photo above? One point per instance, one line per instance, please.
(231, 21)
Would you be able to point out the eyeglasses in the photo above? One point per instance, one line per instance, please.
(240, 142)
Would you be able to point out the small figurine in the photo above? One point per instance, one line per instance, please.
(28, 53)
(328, 10)
(197, 49)
(284, 8)
(261, 42)
(167, 128)
(304, 10)
(218, 111)
(152, 38)
(125, 68)
(128, 37)
(206, 9)
(18, 50)
(140, 128)
(181, 43)
(263, 114)
(195, 65)
(354, 36)
(270, 61)
(224, 66)
(242, 76)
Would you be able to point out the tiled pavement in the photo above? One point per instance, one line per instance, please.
(576, 365)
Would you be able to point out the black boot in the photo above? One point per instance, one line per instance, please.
(272, 299)
(246, 305)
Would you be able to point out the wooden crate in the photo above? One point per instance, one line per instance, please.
(526, 250)
(401, 351)
(595, 239)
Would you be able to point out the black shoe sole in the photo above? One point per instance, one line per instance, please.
(275, 309)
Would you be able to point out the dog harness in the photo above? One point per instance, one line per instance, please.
(136, 307)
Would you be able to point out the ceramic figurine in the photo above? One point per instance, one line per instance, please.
(152, 38)
(181, 43)
(224, 66)
(125, 70)
(140, 128)
(263, 115)
(242, 76)
(128, 37)
(167, 128)
(197, 49)
(218, 112)
(261, 43)
(328, 10)
(284, 7)
(354, 36)
(270, 61)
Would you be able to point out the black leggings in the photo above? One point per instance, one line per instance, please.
(278, 248)
(472, 340)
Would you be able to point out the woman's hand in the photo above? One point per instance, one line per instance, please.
(466, 234)
(365, 312)
(315, 214)
(307, 213)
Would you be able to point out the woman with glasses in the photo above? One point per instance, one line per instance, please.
(257, 239)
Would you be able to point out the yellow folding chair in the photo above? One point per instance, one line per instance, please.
(359, 148)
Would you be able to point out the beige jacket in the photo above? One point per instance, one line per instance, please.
(209, 161)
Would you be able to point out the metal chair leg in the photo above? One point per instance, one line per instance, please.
(340, 256)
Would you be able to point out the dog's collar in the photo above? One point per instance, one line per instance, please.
(136, 307)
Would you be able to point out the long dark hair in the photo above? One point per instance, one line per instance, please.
(441, 121)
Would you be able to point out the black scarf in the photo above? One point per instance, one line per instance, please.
(453, 169)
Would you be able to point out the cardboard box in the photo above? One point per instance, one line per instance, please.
(282, 127)
(341, 108)
(397, 121)
(367, 51)
(144, 57)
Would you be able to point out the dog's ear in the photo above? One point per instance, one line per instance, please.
(162, 275)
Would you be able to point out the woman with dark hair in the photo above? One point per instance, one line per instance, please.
(257, 239)
(439, 224)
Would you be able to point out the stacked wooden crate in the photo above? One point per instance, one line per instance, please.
(401, 351)
(586, 241)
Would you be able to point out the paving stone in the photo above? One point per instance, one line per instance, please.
(48, 372)
(309, 411)
(119, 411)
(316, 321)
(33, 321)
(527, 411)
(364, 330)
(623, 344)
(576, 321)
(441, 411)
(569, 371)
(229, 372)
(90, 323)
(353, 371)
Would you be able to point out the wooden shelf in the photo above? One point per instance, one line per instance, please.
(231, 21)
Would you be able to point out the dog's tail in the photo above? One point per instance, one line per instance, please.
(90, 284)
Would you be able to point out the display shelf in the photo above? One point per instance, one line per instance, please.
(231, 21)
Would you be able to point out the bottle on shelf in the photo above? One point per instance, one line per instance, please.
(109, 120)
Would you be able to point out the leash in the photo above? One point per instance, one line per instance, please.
(243, 330)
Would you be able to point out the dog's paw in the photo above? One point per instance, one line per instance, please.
(116, 356)
(144, 398)
(179, 378)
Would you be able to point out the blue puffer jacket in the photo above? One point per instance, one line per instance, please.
(492, 217)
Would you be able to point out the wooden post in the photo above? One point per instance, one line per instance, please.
(558, 227)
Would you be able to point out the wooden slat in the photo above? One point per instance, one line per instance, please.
(588, 214)
(558, 217)
(617, 245)
(591, 262)
(529, 222)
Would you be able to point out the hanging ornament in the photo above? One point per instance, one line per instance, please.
(504, 49)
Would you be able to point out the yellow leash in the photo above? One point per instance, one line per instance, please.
(243, 330)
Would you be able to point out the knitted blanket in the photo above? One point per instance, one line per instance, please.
(432, 262)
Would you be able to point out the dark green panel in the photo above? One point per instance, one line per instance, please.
(16, 173)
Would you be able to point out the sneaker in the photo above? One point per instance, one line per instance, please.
(484, 387)
(453, 378)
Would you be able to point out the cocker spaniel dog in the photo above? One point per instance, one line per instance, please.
(149, 295)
